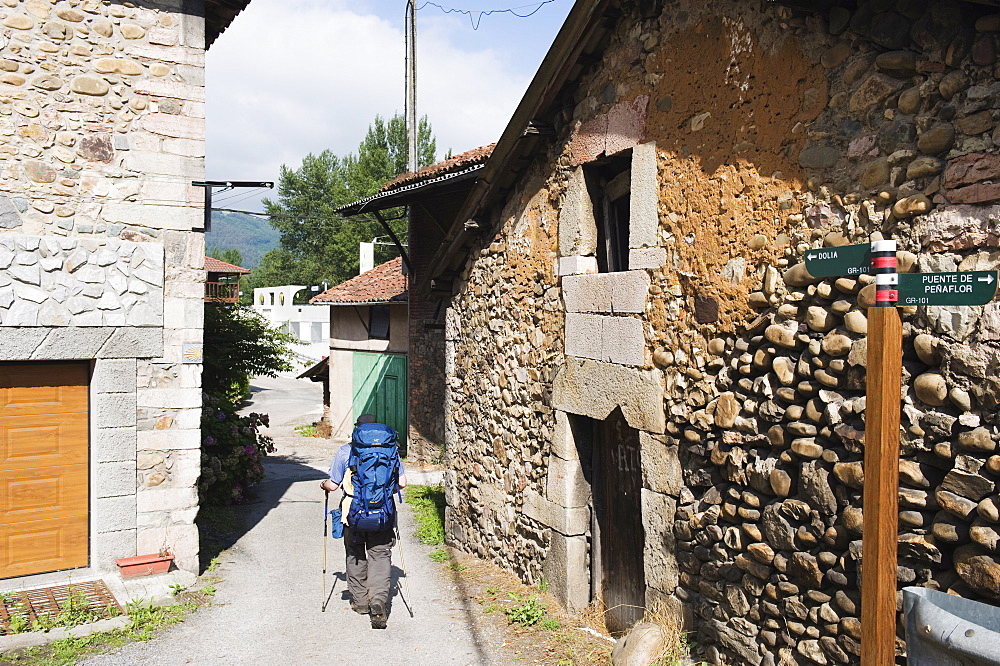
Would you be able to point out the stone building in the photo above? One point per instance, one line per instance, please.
(649, 400)
(432, 195)
(102, 281)
(367, 363)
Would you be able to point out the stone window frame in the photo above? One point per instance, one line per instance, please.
(609, 184)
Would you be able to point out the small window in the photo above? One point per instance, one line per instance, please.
(610, 184)
(378, 322)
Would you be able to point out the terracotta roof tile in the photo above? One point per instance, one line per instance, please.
(383, 284)
(213, 265)
(453, 163)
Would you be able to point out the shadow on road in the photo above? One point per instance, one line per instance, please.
(220, 527)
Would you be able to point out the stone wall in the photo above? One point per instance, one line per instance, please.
(101, 133)
(776, 131)
(503, 347)
(425, 357)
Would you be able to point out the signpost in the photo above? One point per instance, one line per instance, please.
(843, 260)
(881, 464)
(964, 288)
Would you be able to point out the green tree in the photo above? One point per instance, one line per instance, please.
(317, 244)
(228, 255)
(242, 345)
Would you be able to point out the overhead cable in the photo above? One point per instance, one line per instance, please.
(476, 15)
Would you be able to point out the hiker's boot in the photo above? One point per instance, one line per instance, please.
(362, 610)
(378, 615)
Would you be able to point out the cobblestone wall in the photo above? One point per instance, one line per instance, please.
(778, 131)
(504, 343)
(101, 133)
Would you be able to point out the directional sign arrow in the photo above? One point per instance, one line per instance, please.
(843, 260)
(959, 288)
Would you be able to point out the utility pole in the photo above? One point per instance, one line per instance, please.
(411, 85)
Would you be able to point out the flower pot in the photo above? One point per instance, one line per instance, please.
(144, 565)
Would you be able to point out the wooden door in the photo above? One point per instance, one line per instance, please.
(380, 389)
(44, 467)
(618, 507)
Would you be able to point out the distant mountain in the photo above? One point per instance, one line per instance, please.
(251, 235)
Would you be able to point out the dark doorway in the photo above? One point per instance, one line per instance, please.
(617, 573)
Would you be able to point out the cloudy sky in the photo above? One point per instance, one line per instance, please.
(292, 77)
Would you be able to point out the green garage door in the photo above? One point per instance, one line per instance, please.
(380, 389)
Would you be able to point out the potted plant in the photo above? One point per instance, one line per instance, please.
(145, 565)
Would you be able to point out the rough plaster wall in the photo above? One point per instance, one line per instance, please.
(729, 111)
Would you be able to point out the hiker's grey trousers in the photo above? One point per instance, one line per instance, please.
(369, 565)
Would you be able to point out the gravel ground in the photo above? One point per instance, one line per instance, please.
(270, 590)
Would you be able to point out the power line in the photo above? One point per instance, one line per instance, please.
(476, 16)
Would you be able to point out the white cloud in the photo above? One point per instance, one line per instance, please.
(290, 77)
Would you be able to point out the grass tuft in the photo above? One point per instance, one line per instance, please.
(427, 504)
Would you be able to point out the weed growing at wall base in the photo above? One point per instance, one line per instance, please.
(427, 504)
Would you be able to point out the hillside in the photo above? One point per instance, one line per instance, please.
(251, 235)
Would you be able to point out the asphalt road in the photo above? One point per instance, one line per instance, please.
(268, 607)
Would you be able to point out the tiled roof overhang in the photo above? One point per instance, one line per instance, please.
(218, 15)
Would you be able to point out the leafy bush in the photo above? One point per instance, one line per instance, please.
(232, 451)
(240, 344)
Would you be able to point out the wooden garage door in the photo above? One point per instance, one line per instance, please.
(43, 467)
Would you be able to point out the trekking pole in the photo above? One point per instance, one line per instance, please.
(402, 560)
(402, 566)
(326, 537)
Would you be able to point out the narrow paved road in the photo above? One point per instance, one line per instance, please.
(268, 606)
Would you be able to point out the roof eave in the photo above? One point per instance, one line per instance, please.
(399, 196)
(555, 70)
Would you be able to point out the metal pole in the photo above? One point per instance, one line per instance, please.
(411, 87)
(881, 510)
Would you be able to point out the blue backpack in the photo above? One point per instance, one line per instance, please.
(374, 463)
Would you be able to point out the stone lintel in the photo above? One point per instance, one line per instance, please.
(594, 389)
(133, 342)
(72, 342)
(20, 343)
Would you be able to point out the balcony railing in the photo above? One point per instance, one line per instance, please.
(221, 291)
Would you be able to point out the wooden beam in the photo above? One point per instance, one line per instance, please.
(881, 510)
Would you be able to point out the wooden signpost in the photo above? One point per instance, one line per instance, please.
(882, 412)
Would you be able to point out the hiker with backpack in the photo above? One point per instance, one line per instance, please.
(376, 474)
